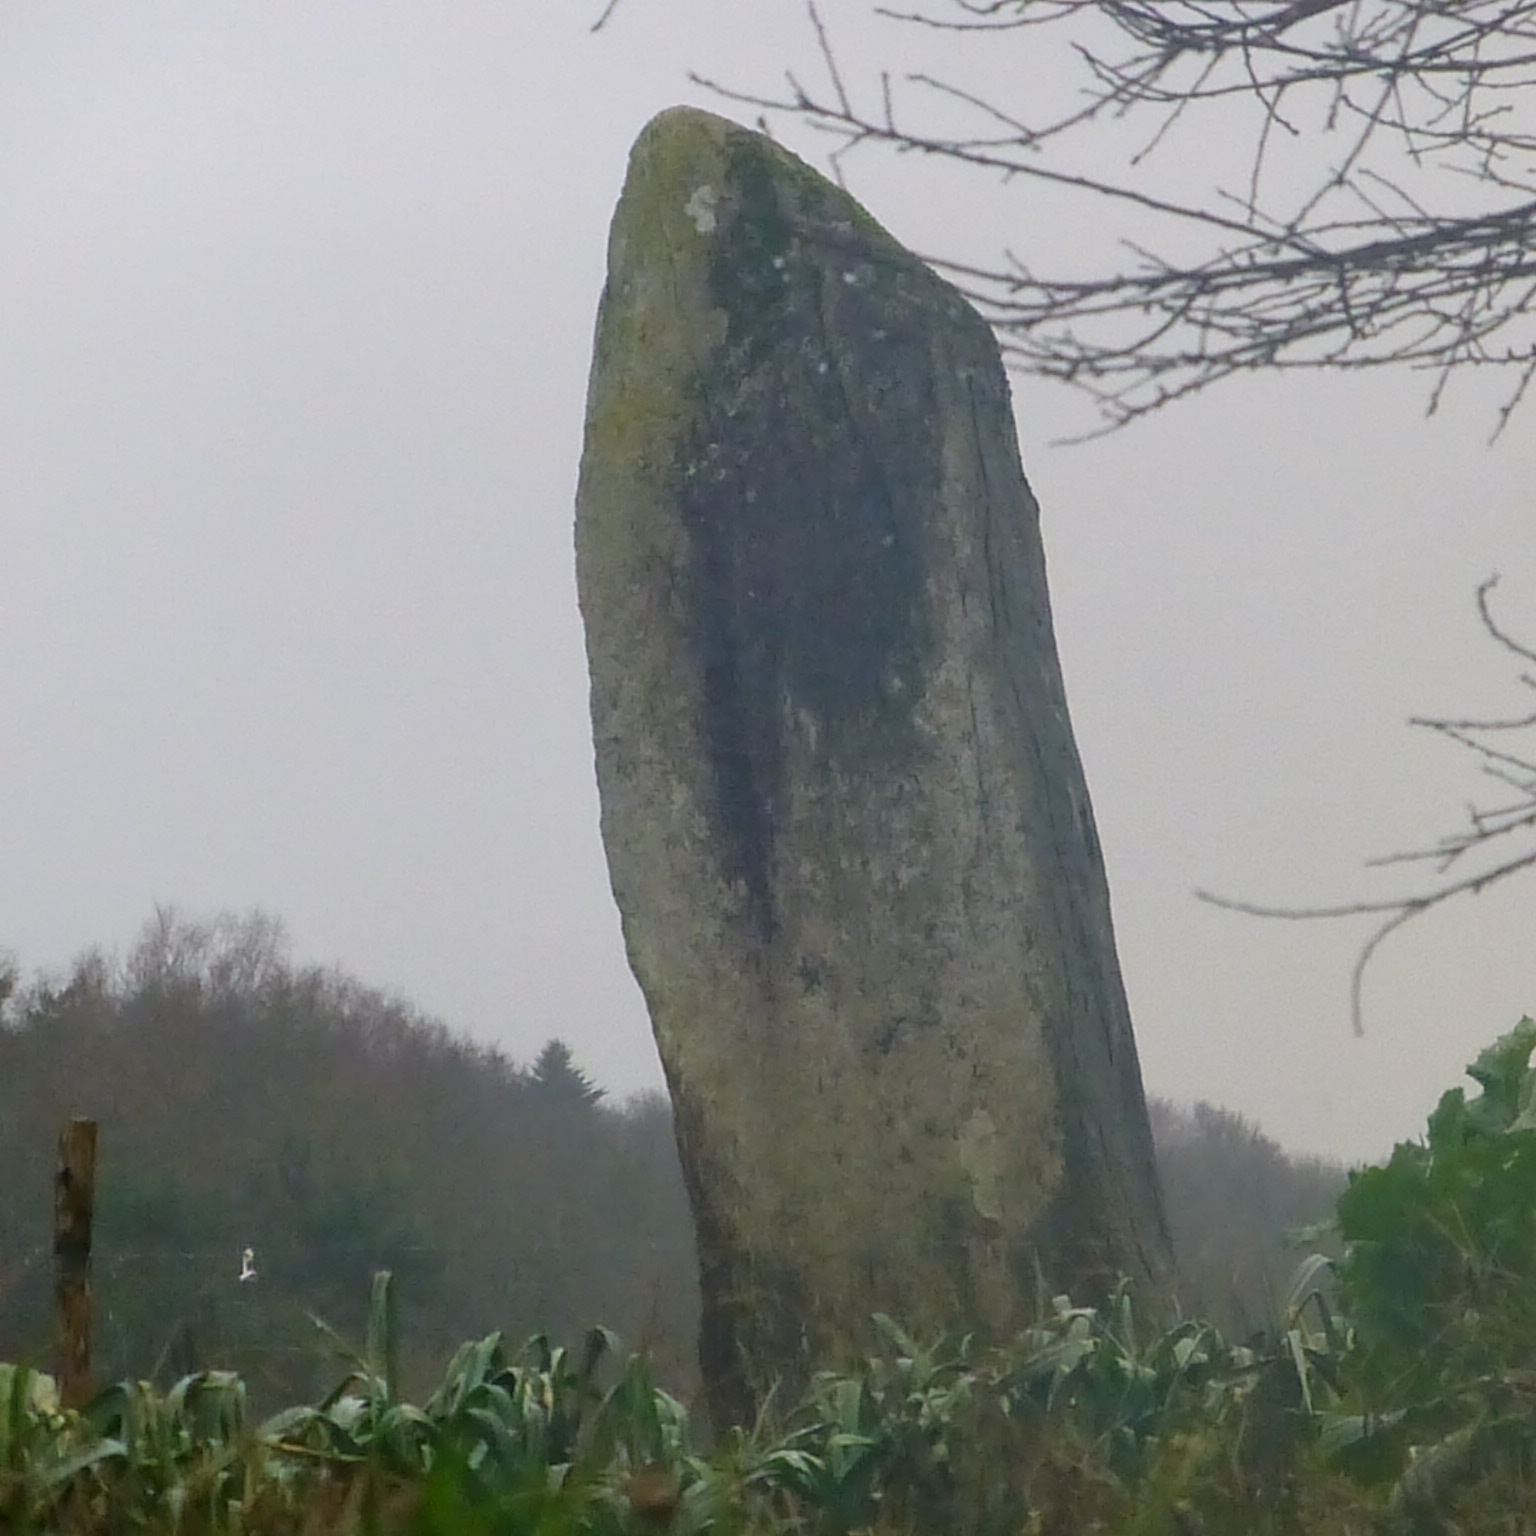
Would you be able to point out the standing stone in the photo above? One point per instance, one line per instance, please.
(845, 820)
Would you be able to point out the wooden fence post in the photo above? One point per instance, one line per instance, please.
(74, 1197)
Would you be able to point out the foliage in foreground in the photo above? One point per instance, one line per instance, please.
(1074, 1427)
(1397, 1395)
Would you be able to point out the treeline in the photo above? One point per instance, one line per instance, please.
(1239, 1208)
(246, 1103)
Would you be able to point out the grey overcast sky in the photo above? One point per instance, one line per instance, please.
(296, 302)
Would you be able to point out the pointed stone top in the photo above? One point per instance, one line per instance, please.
(706, 171)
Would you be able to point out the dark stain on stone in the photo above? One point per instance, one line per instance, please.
(724, 1335)
(813, 976)
(807, 490)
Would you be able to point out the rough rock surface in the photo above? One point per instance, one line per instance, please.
(845, 820)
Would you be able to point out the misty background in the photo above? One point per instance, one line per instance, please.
(296, 304)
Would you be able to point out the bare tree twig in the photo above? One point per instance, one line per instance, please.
(1485, 828)
(608, 10)
(1414, 244)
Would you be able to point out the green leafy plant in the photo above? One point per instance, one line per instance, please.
(1439, 1281)
(1440, 1275)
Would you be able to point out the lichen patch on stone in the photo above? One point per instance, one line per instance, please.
(701, 209)
(981, 1157)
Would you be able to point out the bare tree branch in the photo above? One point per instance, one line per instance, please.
(1487, 829)
(608, 10)
(1410, 245)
